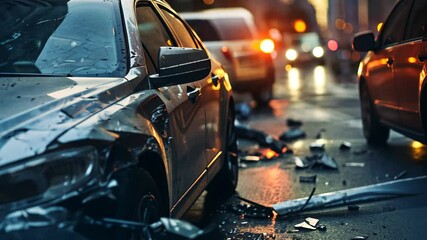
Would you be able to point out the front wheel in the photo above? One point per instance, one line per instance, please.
(138, 199)
(227, 178)
(374, 131)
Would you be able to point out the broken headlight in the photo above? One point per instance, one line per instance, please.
(46, 177)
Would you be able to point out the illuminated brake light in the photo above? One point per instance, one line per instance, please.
(227, 53)
(267, 46)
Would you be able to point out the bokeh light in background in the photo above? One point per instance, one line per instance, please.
(333, 45)
(208, 2)
(379, 26)
(300, 26)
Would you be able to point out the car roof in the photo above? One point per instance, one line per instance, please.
(218, 13)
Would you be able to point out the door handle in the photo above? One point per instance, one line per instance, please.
(193, 93)
(215, 80)
(390, 61)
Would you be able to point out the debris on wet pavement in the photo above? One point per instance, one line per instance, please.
(375, 192)
(292, 135)
(243, 111)
(308, 179)
(360, 237)
(312, 221)
(354, 164)
(305, 225)
(264, 139)
(316, 160)
(250, 209)
(293, 123)
(345, 146)
(256, 155)
(317, 147)
(250, 158)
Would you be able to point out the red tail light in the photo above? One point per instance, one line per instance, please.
(227, 53)
(267, 45)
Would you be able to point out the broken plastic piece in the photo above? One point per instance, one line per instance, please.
(308, 179)
(244, 131)
(323, 160)
(292, 134)
(312, 221)
(345, 146)
(381, 191)
(317, 147)
(354, 164)
(305, 225)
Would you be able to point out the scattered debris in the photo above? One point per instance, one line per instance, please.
(292, 135)
(257, 155)
(305, 225)
(322, 227)
(293, 231)
(361, 237)
(250, 209)
(317, 147)
(308, 179)
(320, 160)
(353, 208)
(381, 191)
(354, 164)
(345, 146)
(400, 175)
(266, 140)
(293, 123)
(312, 221)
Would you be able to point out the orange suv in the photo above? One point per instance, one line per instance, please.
(393, 74)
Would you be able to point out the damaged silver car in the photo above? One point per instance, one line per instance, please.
(113, 108)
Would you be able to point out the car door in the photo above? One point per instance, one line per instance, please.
(186, 114)
(209, 89)
(381, 82)
(408, 67)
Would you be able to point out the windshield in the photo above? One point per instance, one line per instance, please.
(61, 37)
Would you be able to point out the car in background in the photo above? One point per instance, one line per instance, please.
(111, 109)
(232, 38)
(301, 48)
(392, 75)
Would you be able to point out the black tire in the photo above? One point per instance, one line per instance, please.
(375, 132)
(263, 95)
(138, 199)
(226, 180)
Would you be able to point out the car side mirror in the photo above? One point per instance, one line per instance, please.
(179, 65)
(364, 41)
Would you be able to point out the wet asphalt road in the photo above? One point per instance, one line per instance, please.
(328, 106)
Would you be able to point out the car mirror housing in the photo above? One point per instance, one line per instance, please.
(179, 65)
(364, 41)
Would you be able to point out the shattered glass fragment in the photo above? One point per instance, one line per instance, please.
(316, 160)
(400, 175)
(361, 237)
(322, 228)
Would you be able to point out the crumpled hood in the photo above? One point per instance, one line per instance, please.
(36, 110)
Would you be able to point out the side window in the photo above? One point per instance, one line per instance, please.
(182, 32)
(153, 33)
(395, 26)
(417, 25)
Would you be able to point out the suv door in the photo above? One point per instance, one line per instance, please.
(186, 117)
(408, 68)
(381, 82)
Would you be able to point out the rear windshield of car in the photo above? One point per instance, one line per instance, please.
(221, 29)
(61, 37)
